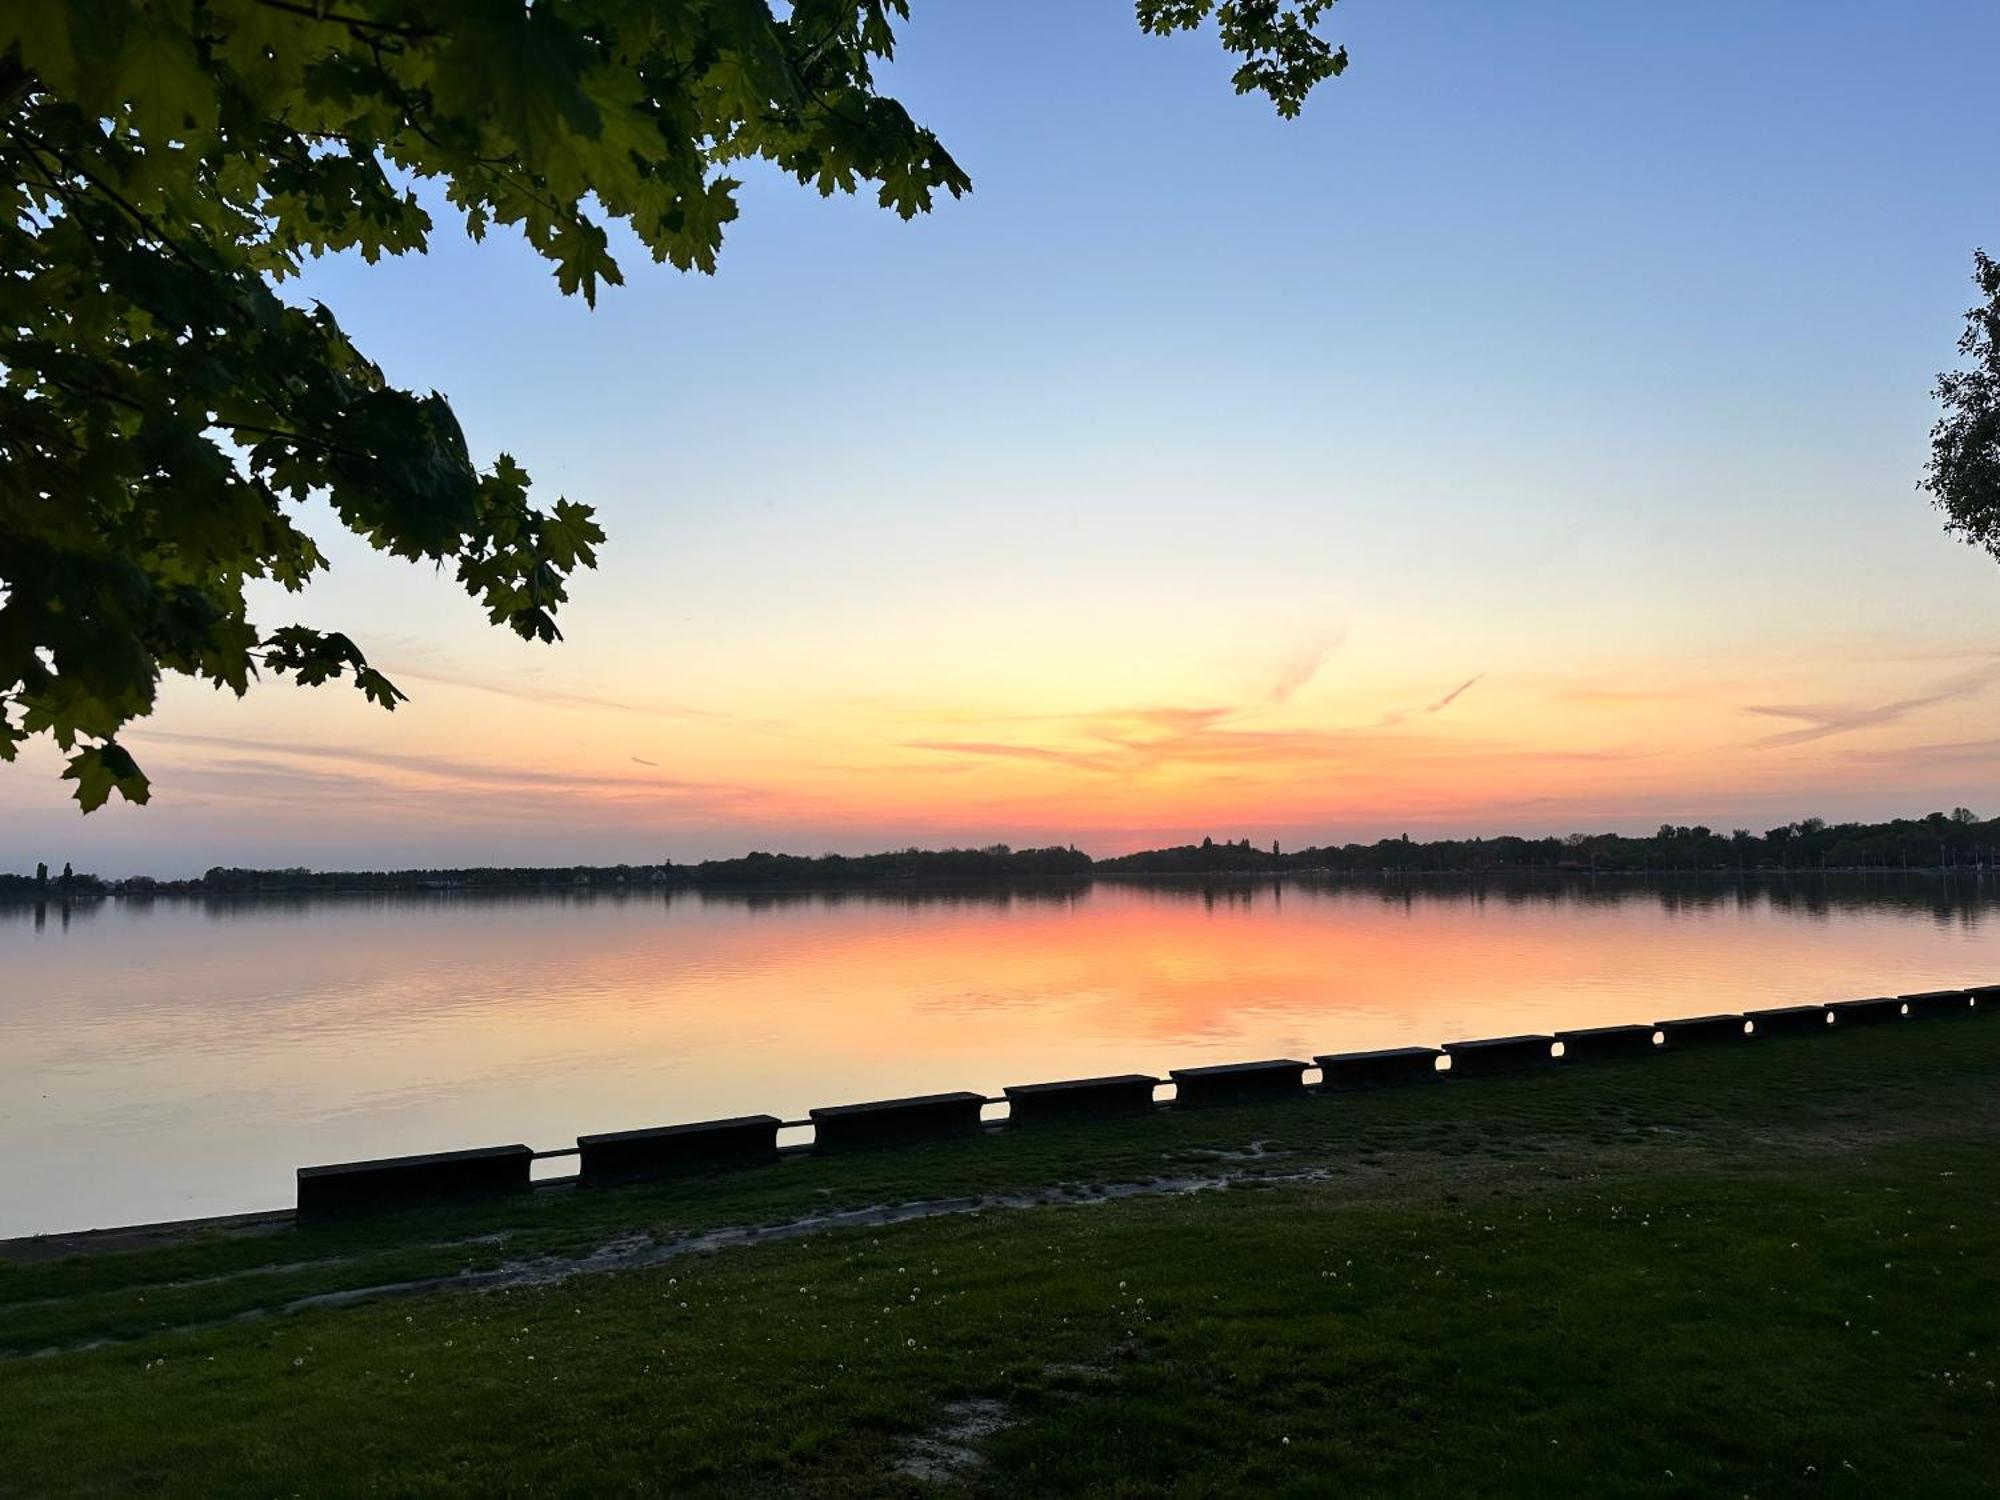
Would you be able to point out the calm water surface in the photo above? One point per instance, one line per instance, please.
(174, 1058)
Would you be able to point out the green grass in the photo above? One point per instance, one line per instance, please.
(1768, 1269)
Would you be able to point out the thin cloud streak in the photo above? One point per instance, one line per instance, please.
(439, 768)
(1452, 697)
(1303, 664)
(1210, 743)
(1823, 721)
(1437, 707)
(560, 698)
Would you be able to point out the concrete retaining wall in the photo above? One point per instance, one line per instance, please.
(1878, 1011)
(393, 1182)
(1789, 1020)
(1603, 1043)
(896, 1122)
(638, 1155)
(1703, 1031)
(1080, 1099)
(1499, 1054)
(670, 1150)
(1934, 1003)
(1341, 1071)
(1238, 1083)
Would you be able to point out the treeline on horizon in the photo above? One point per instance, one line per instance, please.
(752, 871)
(1958, 839)
(1937, 840)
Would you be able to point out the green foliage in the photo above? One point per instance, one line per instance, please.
(1284, 56)
(1964, 471)
(165, 164)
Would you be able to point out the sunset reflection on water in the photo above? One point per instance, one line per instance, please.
(181, 1057)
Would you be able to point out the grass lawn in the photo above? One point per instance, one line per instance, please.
(1770, 1268)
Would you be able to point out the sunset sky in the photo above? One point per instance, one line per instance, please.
(1523, 440)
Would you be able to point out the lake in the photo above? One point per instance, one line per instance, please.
(181, 1057)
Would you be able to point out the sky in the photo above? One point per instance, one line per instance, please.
(1525, 439)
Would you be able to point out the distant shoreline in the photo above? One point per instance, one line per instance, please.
(1957, 841)
(942, 885)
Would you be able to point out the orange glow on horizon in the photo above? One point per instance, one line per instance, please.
(1339, 753)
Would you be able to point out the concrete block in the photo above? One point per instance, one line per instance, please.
(671, 1150)
(1239, 1083)
(1877, 1011)
(1080, 1099)
(1499, 1054)
(1935, 1003)
(896, 1122)
(1703, 1031)
(396, 1182)
(1602, 1043)
(1341, 1071)
(1789, 1020)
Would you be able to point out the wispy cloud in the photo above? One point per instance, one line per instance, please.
(548, 697)
(1304, 662)
(1951, 753)
(1127, 726)
(1823, 721)
(442, 768)
(1436, 706)
(1221, 742)
(1452, 697)
(1082, 760)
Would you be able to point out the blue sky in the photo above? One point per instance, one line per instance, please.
(1583, 346)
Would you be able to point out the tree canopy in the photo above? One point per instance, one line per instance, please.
(1964, 471)
(168, 164)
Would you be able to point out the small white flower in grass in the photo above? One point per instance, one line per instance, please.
(910, 1343)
